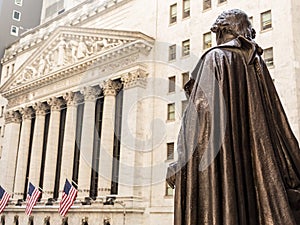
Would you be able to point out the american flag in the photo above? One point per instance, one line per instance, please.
(32, 197)
(68, 198)
(4, 197)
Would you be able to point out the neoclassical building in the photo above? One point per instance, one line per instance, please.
(94, 95)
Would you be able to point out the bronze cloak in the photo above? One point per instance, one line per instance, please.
(254, 179)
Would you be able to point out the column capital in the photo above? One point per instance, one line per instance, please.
(12, 117)
(40, 108)
(26, 112)
(110, 87)
(72, 98)
(134, 78)
(55, 103)
(90, 93)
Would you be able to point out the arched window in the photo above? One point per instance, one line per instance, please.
(84, 221)
(16, 220)
(47, 220)
(2, 220)
(65, 221)
(30, 220)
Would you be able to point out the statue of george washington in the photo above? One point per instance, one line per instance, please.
(238, 159)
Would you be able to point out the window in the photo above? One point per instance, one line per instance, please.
(16, 15)
(186, 48)
(171, 111)
(184, 105)
(186, 8)
(266, 20)
(206, 4)
(14, 31)
(3, 220)
(16, 220)
(206, 40)
(19, 2)
(173, 13)
(3, 131)
(170, 151)
(0, 129)
(12, 67)
(268, 56)
(221, 1)
(54, 8)
(172, 52)
(172, 81)
(169, 190)
(251, 20)
(185, 78)
(2, 111)
(7, 71)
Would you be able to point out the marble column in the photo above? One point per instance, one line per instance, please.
(110, 89)
(37, 143)
(27, 114)
(72, 99)
(131, 169)
(52, 147)
(10, 150)
(87, 141)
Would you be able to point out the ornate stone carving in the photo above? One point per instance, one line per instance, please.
(40, 108)
(26, 112)
(110, 87)
(135, 78)
(55, 103)
(90, 93)
(72, 98)
(12, 117)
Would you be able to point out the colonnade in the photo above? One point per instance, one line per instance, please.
(26, 139)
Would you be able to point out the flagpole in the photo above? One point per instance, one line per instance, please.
(73, 182)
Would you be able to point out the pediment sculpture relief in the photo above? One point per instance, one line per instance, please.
(65, 51)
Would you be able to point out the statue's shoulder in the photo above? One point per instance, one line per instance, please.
(239, 45)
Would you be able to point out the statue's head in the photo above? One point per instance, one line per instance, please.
(231, 24)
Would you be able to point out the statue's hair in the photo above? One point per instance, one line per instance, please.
(235, 22)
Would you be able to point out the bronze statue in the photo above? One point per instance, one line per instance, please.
(238, 159)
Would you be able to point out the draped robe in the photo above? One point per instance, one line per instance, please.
(238, 159)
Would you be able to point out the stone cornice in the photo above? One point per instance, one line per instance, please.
(102, 58)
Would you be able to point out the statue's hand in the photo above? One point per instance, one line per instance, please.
(171, 175)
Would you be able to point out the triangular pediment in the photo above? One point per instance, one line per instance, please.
(70, 47)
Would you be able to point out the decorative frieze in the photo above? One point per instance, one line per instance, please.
(40, 108)
(135, 78)
(12, 117)
(90, 93)
(110, 87)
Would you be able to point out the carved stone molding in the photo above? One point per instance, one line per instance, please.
(72, 98)
(12, 117)
(40, 108)
(27, 113)
(55, 103)
(110, 87)
(135, 78)
(90, 93)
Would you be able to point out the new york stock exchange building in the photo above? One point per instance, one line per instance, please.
(91, 98)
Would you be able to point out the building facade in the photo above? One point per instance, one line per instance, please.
(96, 97)
(17, 17)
